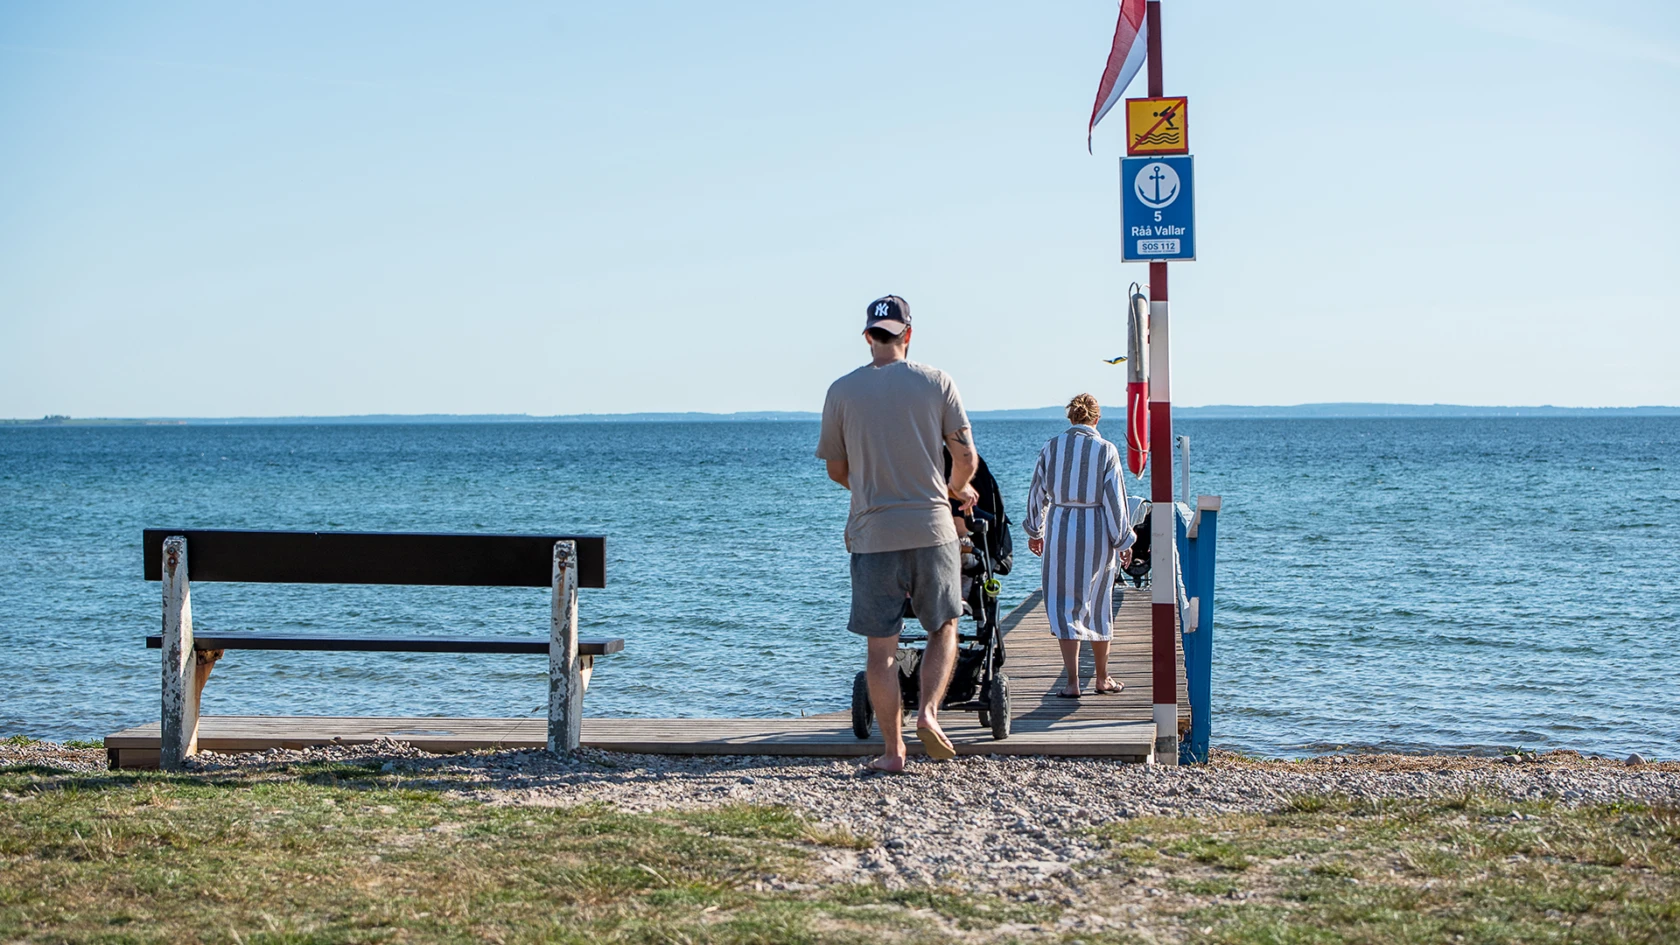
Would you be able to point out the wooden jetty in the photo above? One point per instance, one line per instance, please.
(1117, 726)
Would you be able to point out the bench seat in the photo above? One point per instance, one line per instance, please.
(203, 640)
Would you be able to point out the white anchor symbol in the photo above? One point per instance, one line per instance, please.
(1157, 174)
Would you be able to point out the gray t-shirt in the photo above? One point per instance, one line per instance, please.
(889, 424)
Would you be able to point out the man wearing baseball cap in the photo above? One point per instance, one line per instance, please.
(883, 427)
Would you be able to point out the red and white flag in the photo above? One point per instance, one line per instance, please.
(1125, 58)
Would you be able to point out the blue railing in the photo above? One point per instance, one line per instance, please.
(1197, 534)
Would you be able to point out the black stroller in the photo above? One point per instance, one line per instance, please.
(1138, 570)
(977, 681)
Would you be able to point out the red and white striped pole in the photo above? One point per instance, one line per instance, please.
(1163, 593)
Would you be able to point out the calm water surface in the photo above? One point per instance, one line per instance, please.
(1412, 584)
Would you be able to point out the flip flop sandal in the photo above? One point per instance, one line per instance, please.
(937, 746)
(873, 768)
(1118, 687)
(1064, 694)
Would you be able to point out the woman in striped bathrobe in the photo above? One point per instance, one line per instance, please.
(1077, 519)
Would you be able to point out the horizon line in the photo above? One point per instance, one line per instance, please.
(1322, 409)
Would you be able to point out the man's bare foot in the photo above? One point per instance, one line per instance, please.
(887, 764)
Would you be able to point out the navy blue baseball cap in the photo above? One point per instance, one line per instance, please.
(888, 313)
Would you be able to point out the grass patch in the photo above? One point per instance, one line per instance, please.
(344, 853)
(1468, 868)
(1215, 886)
(963, 911)
(329, 853)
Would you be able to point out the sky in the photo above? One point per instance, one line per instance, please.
(245, 209)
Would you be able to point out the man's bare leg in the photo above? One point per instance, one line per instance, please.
(937, 663)
(887, 700)
(1070, 665)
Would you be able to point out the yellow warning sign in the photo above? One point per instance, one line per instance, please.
(1157, 126)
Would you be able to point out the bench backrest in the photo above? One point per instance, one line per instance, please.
(375, 558)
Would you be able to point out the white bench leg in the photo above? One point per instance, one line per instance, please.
(566, 674)
(182, 680)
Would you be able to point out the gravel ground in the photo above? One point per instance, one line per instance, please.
(51, 755)
(980, 821)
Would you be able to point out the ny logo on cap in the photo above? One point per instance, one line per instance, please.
(881, 310)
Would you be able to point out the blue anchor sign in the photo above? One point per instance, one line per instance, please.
(1157, 209)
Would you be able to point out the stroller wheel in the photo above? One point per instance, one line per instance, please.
(998, 706)
(862, 714)
(985, 718)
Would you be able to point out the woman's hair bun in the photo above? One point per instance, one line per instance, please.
(1084, 409)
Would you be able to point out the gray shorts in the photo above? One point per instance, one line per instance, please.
(930, 577)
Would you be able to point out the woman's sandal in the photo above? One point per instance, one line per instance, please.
(1064, 694)
(1115, 689)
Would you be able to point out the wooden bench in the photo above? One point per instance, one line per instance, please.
(562, 563)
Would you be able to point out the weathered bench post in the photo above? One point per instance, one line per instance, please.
(180, 662)
(565, 667)
(185, 667)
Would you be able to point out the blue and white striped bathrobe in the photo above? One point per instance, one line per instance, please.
(1077, 504)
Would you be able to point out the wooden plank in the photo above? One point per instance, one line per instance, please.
(376, 558)
(591, 646)
(144, 758)
(220, 732)
(793, 737)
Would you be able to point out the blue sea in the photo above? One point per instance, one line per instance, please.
(1419, 585)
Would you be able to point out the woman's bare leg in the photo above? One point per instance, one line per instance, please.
(1101, 681)
(1070, 665)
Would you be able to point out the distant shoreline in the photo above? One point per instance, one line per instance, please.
(1328, 411)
